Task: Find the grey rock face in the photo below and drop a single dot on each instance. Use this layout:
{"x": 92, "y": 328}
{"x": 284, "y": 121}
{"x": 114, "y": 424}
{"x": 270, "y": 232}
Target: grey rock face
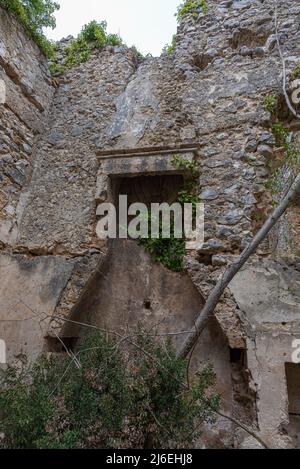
{"x": 232, "y": 217}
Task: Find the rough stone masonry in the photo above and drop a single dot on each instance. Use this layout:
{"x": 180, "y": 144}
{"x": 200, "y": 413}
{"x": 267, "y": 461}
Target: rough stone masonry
{"x": 208, "y": 94}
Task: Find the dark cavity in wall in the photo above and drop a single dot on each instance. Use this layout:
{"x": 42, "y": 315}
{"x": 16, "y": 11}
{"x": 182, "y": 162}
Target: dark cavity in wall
{"x": 292, "y": 371}
{"x": 148, "y": 189}
{"x": 129, "y": 288}
{"x": 248, "y": 38}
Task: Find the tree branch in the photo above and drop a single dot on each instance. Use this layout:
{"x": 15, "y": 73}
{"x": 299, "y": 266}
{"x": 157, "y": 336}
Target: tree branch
{"x": 288, "y": 102}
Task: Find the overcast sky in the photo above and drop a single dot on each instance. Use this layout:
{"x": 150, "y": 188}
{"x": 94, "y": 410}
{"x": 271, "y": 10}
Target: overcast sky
{"x": 147, "y": 24}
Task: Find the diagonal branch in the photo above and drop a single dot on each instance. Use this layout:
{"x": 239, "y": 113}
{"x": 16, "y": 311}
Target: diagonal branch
{"x": 214, "y": 297}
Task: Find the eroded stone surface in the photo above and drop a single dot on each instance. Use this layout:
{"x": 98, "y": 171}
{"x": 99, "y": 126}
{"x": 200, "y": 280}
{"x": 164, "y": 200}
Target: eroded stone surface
{"x": 211, "y": 93}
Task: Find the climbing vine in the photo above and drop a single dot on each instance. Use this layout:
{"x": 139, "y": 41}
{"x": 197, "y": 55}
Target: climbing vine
{"x": 34, "y": 15}
{"x": 171, "y": 251}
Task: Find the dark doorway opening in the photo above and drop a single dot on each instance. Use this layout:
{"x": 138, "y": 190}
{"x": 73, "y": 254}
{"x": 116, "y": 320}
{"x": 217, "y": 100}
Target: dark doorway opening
{"x": 292, "y": 371}
{"x": 148, "y": 189}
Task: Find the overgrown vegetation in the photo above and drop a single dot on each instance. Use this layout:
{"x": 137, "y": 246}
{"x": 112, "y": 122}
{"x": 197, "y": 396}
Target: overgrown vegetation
{"x": 287, "y": 153}
{"x": 170, "y": 252}
{"x": 169, "y": 49}
{"x": 93, "y": 36}
{"x": 106, "y": 401}
{"x": 34, "y": 15}
{"x": 296, "y": 72}
{"x": 191, "y": 8}
{"x": 270, "y": 103}
{"x": 288, "y": 156}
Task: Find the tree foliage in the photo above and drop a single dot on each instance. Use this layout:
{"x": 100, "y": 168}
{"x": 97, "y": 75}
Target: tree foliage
{"x": 110, "y": 401}
{"x": 34, "y": 15}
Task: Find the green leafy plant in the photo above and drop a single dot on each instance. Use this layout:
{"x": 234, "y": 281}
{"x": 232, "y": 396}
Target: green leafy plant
{"x": 170, "y": 252}
{"x": 56, "y": 69}
{"x": 92, "y": 36}
{"x": 181, "y": 163}
{"x": 290, "y": 156}
{"x": 281, "y": 134}
{"x": 108, "y": 400}
{"x": 270, "y": 103}
{"x": 34, "y": 15}
{"x": 191, "y": 8}
{"x": 114, "y": 40}
{"x": 169, "y": 49}
{"x": 296, "y": 72}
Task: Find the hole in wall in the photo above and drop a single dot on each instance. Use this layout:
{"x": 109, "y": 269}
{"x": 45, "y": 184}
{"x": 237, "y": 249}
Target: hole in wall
{"x": 236, "y": 355}
{"x": 292, "y": 372}
{"x": 248, "y": 38}
{"x": 201, "y": 61}
{"x": 205, "y": 259}
{"x": 148, "y": 189}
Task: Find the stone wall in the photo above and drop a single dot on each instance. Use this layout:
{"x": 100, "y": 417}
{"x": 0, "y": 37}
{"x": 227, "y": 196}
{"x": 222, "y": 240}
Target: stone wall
{"x": 210, "y": 95}
{"x": 27, "y": 91}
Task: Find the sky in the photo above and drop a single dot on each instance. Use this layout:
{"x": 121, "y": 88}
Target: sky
{"x": 147, "y": 24}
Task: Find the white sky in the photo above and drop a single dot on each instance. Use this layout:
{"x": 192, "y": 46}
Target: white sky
{"x": 147, "y": 24}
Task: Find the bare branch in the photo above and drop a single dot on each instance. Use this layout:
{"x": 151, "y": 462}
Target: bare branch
{"x": 288, "y": 102}
{"x": 214, "y": 297}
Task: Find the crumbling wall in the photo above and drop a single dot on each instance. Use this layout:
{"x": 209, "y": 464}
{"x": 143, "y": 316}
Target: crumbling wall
{"x": 268, "y": 296}
{"x": 26, "y": 94}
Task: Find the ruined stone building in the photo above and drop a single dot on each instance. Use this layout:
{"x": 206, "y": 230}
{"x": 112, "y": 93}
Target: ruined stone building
{"x": 111, "y": 126}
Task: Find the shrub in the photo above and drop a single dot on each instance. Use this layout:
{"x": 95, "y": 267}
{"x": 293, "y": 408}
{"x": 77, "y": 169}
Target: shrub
{"x": 109, "y": 401}
{"x": 191, "y": 8}
{"x": 56, "y": 69}
{"x": 114, "y": 40}
{"x": 92, "y": 36}
{"x": 169, "y": 252}
{"x": 34, "y": 15}
{"x": 94, "y": 33}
